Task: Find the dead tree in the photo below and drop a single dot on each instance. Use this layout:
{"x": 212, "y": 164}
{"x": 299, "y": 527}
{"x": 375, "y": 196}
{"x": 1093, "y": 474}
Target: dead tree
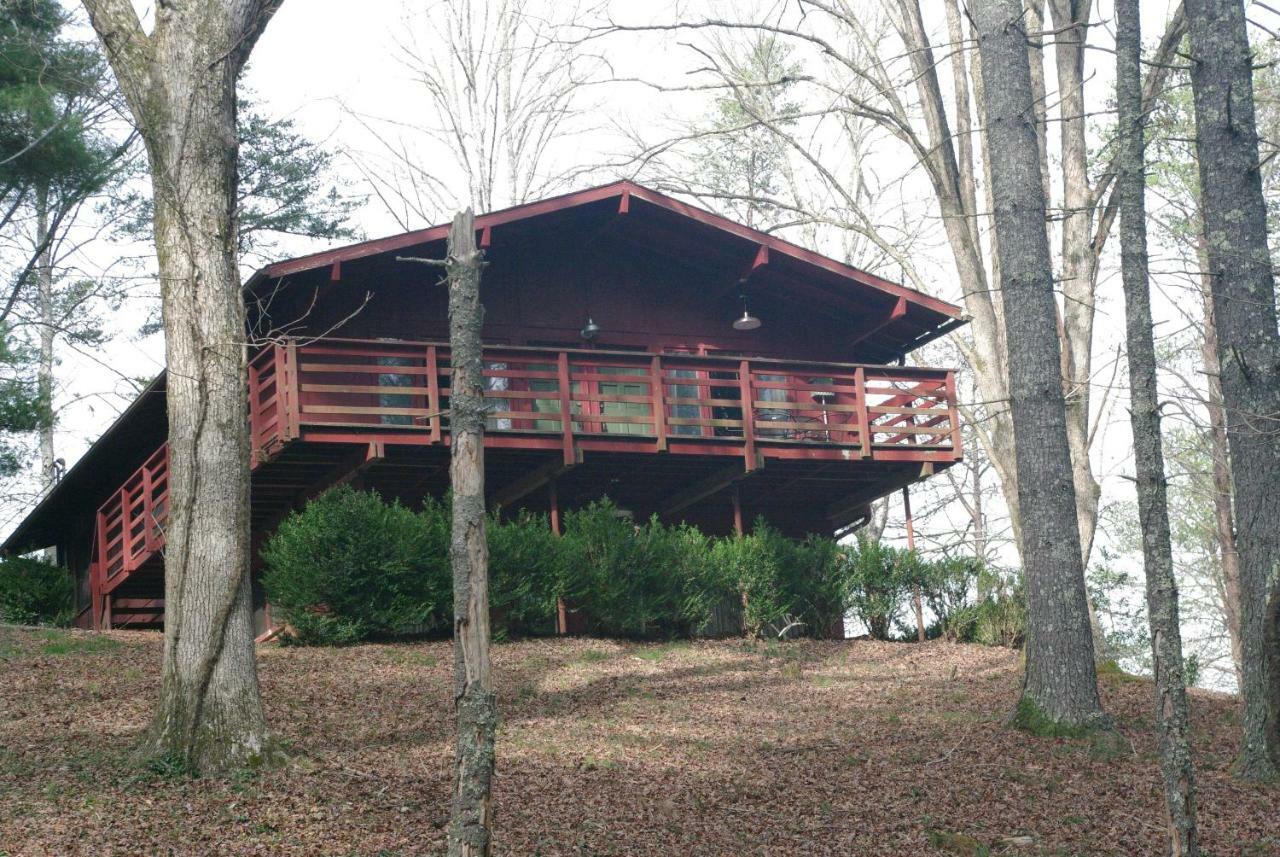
{"x": 1144, "y": 414}
{"x": 179, "y": 81}
{"x": 1244, "y": 312}
{"x": 1060, "y": 690}
{"x": 474, "y": 701}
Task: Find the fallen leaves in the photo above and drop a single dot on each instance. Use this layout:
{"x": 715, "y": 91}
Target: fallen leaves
{"x": 708, "y": 748}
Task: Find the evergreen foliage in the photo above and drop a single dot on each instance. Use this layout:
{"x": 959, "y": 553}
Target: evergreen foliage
{"x": 35, "y": 592}
{"x": 351, "y": 567}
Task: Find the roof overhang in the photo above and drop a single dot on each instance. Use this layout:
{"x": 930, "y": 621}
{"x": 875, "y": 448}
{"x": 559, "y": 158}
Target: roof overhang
{"x": 931, "y": 316}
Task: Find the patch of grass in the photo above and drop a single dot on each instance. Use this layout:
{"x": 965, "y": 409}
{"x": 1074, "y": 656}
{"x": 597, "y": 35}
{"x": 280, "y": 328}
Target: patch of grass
{"x": 1112, "y": 671}
{"x": 1030, "y": 718}
{"x": 657, "y": 653}
{"x": 591, "y": 763}
{"x": 592, "y": 656}
{"x": 63, "y": 643}
{"x": 173, "y": 768}
{"x": 957, "y": 843}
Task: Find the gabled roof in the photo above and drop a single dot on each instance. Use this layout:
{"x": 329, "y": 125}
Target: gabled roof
{"x": 906, "y": 319}
{"x": 932, "y": 317}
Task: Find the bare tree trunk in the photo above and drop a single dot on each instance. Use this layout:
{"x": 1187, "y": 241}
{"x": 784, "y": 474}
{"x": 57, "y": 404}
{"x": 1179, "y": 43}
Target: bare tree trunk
{"x": 179, "y": 82}
{"x": 1144, "y": 412}
{"x": 474, "y": 700}
{"x": 976, "y": 505}
{"x": 1035, "y": 58}
{"x": 44, "y": 372}
{"x": 917, "y": 600}
{"x": 1060, "y": 690}
{"x": 1223, "y": 516}
{"x": 1079, "y": 261}
{"x": 1244, "y": 309}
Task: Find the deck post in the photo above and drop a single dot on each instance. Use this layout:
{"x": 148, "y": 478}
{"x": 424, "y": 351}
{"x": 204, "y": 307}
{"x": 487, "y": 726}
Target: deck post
{"x": 434, "y": 410}
{"x": 566, "y": 412}
{"x": 659, "y": 406}
{"x": 97, "y": 569}
{"x": 864, "y": 419}
{"x": 291, "y": 403}
{"x": 148, "y": 540}
{"x": 748, "y": 415}
{"x": 126, "y": 531}
{"x": 562, "y": 609}
{"x": 911, "y": 546}
{"x": 736, "y": 496}
{"x": 953, "y": 415}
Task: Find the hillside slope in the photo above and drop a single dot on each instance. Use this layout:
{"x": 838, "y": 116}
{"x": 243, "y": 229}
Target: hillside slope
{"x": 710, "y": 748}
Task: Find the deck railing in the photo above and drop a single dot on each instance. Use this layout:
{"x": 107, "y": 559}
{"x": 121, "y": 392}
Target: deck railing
{"x": 130, "y": 525}
{"x": 606, "y": 400}
{"x": 565, "y": 399}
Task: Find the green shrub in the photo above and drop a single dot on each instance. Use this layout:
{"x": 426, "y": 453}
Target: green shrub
{"x": 350, "y": 566}
{"x": 523, "y": 574}
{"x": 878, "y": 579}
{"x": 948, "y": 588}
{"x": 704, "y": 593}
{"x": 789, "y": 587}
{"x": 617, "y": 573}
{"x": 35, "y": 592}
{"x": 999, "y": 618}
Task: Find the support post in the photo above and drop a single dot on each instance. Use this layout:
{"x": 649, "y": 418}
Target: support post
{"x": 97, "y": 572}
{"x": 658, "y": 402}
{"x": 911, "y": 546}
{"x": 562, "y": 610}
{"x": 435, "y": 416}
{"x": 748, "y": 415}
{"x": 953, "y": 416}
{"x": 864, "y": 420}
{"x": 736, "y": 494}
{"x": 292, "y": 400}
{"x": 566, "y": 410}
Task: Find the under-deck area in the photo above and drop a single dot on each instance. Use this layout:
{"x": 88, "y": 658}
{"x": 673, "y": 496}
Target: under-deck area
{"x": 712, "y": 440}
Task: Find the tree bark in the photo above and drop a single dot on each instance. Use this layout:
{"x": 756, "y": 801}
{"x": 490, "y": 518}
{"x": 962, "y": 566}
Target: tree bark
{"x": 1224, "y": 521}
{"x": 179, "y": 82}
{"x": 474, "y": 701}
{"x": 1060, "y": 690}
{"x": 44, "y": 372}
{"x": 1144, "y": 413}
{"x": 1079, "y": 261}
{"x": 1244, "y": 309}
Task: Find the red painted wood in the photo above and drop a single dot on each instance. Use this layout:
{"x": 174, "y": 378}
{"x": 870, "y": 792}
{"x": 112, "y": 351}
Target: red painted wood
{"x": 433, "y": 394}
{"x": 628, "y": 193}
{"x": 566, "y": 410}
{"x": 658, "y": 405}
{"x": 96, "y": 567}
{"x": 748, "y": 416}
{"x": 957, "y": 442}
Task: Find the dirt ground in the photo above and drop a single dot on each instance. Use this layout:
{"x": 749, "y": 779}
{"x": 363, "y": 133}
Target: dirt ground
{"x": 710, "y": 748}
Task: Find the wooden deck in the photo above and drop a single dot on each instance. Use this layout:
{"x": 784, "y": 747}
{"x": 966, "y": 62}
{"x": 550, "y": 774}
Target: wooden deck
{"x": 320, "y": 411}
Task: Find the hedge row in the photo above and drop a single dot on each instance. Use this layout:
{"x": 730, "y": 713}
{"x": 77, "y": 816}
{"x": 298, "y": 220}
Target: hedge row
{"x": 35, "y": 592}
{"x": 351, "y": 567}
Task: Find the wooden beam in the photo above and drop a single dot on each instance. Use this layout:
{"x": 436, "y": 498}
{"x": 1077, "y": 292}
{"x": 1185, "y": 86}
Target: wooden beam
{"x": 530, "y": 482}
{"x": 758, "y": 261}
{"x": 899, "y": 311}
{"x": 704, "y": 488}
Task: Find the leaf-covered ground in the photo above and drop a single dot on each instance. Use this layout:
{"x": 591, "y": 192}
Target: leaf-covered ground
{"x": 709, "y": 748}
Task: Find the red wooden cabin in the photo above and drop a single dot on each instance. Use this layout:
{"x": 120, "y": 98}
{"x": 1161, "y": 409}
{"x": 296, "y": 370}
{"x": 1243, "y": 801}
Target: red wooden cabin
{"x": 624, "y": 359}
